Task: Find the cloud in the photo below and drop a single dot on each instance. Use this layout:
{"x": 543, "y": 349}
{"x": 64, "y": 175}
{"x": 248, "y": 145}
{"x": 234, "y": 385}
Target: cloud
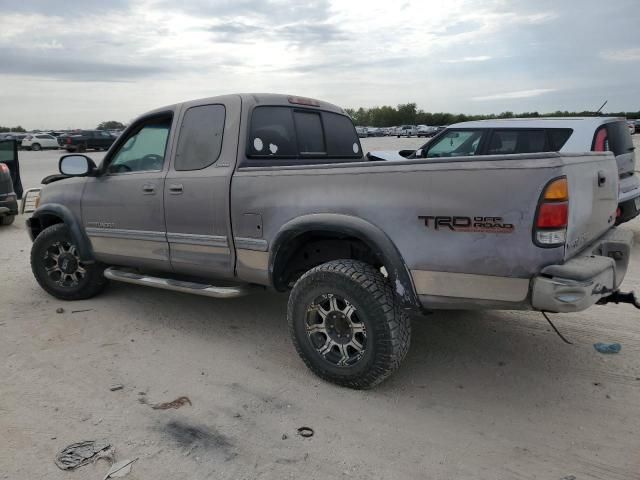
{"x": 518, "y": 94}
{"x": 30, "y": 63}
{"x": 623, "y": 55}
{"x": 479, "y": 58}
{"x": 63, "y": 8}
{"x": 299, "y": 34}
{"x": 274, "y": 11}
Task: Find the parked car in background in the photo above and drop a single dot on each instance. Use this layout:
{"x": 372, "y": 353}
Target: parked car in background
{"x": 374, "y": 132}
{"x": 18, "y": 137}
{"x": 406, "y": 131}
{"x": 637, "y": 125}
{"x": 632, "y": 126}
{"x": 362, "y": 132}
{"x": 86, "y": 140}
{"x": 426, "y": 131}
{"x": 10, "y": 185}
{"x": 39, "y": 141}
{"x": 388, "y": 131}
{"x": 536, "y": 135}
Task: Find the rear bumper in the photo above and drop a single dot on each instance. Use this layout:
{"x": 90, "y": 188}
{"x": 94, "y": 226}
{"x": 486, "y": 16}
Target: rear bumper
{"x": 580, "y": 282}
{"x": 629, "y": 199}
{"x": 8, "y": 205}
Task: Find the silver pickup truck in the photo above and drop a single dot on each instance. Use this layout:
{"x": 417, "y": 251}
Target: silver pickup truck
{"x": 228, "y": 194}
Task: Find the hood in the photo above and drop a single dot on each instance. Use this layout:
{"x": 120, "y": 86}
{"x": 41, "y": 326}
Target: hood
{"x": 386, "y": 155}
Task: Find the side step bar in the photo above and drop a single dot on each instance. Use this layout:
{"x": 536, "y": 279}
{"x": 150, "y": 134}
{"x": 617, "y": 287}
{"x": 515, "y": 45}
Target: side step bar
{"x": 113, "y": 273}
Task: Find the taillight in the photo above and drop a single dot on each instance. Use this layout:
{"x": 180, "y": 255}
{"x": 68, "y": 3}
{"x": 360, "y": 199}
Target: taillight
{"x": 68, "y": 140}
{"x": 552, "y": 216}
{"x": 601, "y": 141}
{"x": 304, "y": 101}
{"x": 4, "y": 168}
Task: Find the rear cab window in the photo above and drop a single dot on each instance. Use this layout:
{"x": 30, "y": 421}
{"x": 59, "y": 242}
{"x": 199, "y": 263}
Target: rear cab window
{"x": 280, "y": 135}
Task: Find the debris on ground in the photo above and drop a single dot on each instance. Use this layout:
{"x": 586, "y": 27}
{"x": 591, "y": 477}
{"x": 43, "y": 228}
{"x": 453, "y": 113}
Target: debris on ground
{"x": 81, "y": 311}
{"x": 607, "y": 347}
{"x": 177, "y": 403}
{"x": 59, "y": 310}
{"x": 120, "y": 469}
{"x": 284, "y": 436}
{"x": 117, "y": 386}
{"x": 82, "y": 453}
{"x": 305, "y": 432}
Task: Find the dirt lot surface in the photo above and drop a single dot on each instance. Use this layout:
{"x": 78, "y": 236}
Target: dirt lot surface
{"x": 489, "y": 395}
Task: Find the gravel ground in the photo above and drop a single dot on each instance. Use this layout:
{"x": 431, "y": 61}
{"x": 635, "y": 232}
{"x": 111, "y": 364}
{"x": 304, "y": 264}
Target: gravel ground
{"x": 481, "y": 395}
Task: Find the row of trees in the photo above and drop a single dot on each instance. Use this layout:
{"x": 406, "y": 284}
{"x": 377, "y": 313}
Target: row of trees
{"x": 18, "y": 129}
{"x": 409, "y": 114}
{"x": 109, "y": 125}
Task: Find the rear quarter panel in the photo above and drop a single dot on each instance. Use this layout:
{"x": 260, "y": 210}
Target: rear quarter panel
{"x": 395, "y": 196}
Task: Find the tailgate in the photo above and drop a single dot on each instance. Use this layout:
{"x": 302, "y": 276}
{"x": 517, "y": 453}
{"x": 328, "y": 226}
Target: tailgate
{"x": 593, "y": 199}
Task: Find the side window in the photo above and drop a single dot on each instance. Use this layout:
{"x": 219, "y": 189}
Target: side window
{"x": 558, "y": 137}
{"x": 456, "y": 143}
{"x": 43, "y": 137}
{"x": 272, "y": 133}
{"x": 200, "y": 140}
{"x": 506, "y": 142}
{"x": 310, "y": 134}
{"x": 144, "y": 148}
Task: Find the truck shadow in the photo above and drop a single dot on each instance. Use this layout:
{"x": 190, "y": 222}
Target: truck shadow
{"x": 510, "y": 357}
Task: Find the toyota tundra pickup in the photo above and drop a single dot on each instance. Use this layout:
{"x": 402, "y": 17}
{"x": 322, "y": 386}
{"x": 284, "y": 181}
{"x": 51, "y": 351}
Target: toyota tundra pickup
{"x": 229, "y": 194}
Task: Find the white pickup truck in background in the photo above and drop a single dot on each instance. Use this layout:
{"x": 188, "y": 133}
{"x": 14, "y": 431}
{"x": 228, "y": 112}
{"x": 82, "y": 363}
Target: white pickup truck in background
{"x": 537, "y": 135}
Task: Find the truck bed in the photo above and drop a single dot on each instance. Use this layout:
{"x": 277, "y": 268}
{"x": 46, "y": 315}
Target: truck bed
{"x": 493, "y": 261}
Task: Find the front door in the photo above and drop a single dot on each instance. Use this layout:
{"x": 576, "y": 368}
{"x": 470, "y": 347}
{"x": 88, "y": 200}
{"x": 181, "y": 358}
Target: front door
{"x": 196, "y": 190}
{"x": 122, "y": 207}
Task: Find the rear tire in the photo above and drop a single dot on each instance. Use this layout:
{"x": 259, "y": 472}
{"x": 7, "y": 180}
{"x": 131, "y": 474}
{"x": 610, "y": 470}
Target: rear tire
{"x": 57, "y": 267}
{"x": 7, "y": 220}
{"x": 347, "y": 325}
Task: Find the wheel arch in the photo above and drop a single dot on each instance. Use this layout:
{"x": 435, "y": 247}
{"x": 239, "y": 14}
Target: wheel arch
{"x": 327, "y": 225}
{"x": 53, "y": 213}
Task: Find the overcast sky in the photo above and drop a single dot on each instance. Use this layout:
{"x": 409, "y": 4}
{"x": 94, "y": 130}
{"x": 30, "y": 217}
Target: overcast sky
{"x": 75, "y": 63}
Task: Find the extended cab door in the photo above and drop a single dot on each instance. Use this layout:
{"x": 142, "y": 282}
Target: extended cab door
{"x": 196, "y": 190}
{"x": 122, "y": 207}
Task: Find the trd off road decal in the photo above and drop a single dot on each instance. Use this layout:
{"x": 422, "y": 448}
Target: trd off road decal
{"x": 467, "y": 224}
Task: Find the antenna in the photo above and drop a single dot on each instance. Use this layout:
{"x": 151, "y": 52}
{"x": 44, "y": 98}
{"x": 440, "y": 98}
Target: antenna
{"x": 599, "y": 111}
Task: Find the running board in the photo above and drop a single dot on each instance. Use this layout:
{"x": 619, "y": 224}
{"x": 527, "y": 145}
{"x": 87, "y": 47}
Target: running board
{"x": 177, "y": 285}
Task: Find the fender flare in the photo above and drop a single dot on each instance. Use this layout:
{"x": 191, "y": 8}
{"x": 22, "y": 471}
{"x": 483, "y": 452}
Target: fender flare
{"x": 73, "y": 224}
{"x": 368, "y": 233}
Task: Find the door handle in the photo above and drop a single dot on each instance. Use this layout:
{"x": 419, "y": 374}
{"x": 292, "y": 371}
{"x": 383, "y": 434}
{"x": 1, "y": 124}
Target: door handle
{"x": 175, "y": 189}
{"x": 602, "y": 178}
{"x": 148, "y": 189}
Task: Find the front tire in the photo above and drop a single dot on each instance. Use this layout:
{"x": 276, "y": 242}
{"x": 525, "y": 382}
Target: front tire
{"x": 57, "y": 267}
{"x": 347, "y": 325}
{"x": 7, "y": 220}
{"x": 36, "y": 147}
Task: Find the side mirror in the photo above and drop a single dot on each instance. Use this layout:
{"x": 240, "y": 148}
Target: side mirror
{"x": 405, "y": 153}
{"x": 76, "y": 165}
